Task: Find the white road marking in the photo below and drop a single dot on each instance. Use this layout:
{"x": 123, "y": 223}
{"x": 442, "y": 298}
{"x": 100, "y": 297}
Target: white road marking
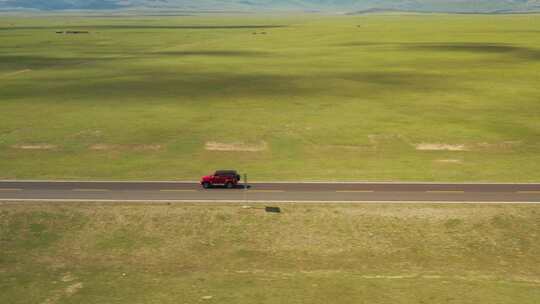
{"x": 239, "y": 201}
{"x": 528, "y": 192}
{"x": 355, "y": 191}
{"x": 96, "y": 181}
{"x": 177, "y": 190}
{"x": 90, "y": 190}
{"x": 266, "y": 191}
{"x": 10, "y": 189}
{"x": 445, "y": 191}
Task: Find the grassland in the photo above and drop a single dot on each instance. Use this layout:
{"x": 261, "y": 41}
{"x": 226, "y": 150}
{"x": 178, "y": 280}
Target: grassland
{"x": 100, "y": 253}
{"x": 328, "y": 98}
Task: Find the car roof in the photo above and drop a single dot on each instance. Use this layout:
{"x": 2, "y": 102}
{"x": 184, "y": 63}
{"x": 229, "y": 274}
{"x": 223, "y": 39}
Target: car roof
{"x": 226, "y": 172}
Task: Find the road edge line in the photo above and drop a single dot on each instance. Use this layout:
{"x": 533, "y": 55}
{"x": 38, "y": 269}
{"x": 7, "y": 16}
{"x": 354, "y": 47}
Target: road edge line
{"x": 7, "y": 200}
{"x": 270, "y": 182}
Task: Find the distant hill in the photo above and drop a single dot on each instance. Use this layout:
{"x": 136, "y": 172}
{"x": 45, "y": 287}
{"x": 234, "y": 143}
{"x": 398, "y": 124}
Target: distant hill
{"x": 361, "y": 6}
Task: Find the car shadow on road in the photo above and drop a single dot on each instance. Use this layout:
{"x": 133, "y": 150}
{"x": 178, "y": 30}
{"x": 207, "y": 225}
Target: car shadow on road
{"x": 237, "y": 187}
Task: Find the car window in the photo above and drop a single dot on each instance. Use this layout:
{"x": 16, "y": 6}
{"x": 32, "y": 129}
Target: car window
{"x": 225, "y": 173}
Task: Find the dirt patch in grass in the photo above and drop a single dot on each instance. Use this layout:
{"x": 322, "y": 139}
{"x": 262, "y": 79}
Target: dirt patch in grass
{"x": 351, "y": 148}
{"x": 68, "y": 277}
{"x": 68, "y": 291}
{"x": 113, "y": 147}
{"x": 239, "y": 147}
{"x": 441, "y": 147}
{"x": 449, "y": 161}
{"x": 500, "y": 146}
{"x": 73, "y": 288}
{"x": 35, "y": 147}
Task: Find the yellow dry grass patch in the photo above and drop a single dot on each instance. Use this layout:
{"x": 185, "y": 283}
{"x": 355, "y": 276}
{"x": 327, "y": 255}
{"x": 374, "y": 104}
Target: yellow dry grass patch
{"x": 238, "y": 146}
{"x": 196, "y": 247}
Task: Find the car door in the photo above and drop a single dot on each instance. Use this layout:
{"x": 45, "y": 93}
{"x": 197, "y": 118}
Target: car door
{"x": 219, "y": 178}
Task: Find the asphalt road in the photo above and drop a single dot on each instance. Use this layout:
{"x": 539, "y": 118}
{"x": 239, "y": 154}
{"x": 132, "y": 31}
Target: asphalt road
{"x": 268, "y": 192}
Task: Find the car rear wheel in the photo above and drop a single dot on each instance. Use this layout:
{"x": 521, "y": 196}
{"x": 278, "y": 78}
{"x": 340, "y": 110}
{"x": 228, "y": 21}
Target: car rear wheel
{"x": 229, "y": 185}
{"x": 206, "y": 185}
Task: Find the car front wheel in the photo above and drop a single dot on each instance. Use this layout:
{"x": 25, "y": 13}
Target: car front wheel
{"x": 206, "y": 185}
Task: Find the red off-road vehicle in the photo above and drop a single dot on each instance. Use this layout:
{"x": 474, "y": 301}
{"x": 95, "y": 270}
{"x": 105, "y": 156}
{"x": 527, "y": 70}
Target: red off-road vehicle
{"x": 227, "y": 178}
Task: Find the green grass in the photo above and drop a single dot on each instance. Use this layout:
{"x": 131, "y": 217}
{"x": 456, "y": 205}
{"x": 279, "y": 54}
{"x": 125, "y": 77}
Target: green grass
{"x": 334, "y": 98}
{"x": 336, "y": 253}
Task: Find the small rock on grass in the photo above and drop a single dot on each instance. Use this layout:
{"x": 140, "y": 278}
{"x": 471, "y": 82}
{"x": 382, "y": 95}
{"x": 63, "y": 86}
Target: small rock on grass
{"x": 207, "y": 297}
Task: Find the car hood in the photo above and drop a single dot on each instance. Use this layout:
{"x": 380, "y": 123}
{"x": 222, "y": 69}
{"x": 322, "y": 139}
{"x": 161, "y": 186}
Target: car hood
{"x": 206, "y": 178}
